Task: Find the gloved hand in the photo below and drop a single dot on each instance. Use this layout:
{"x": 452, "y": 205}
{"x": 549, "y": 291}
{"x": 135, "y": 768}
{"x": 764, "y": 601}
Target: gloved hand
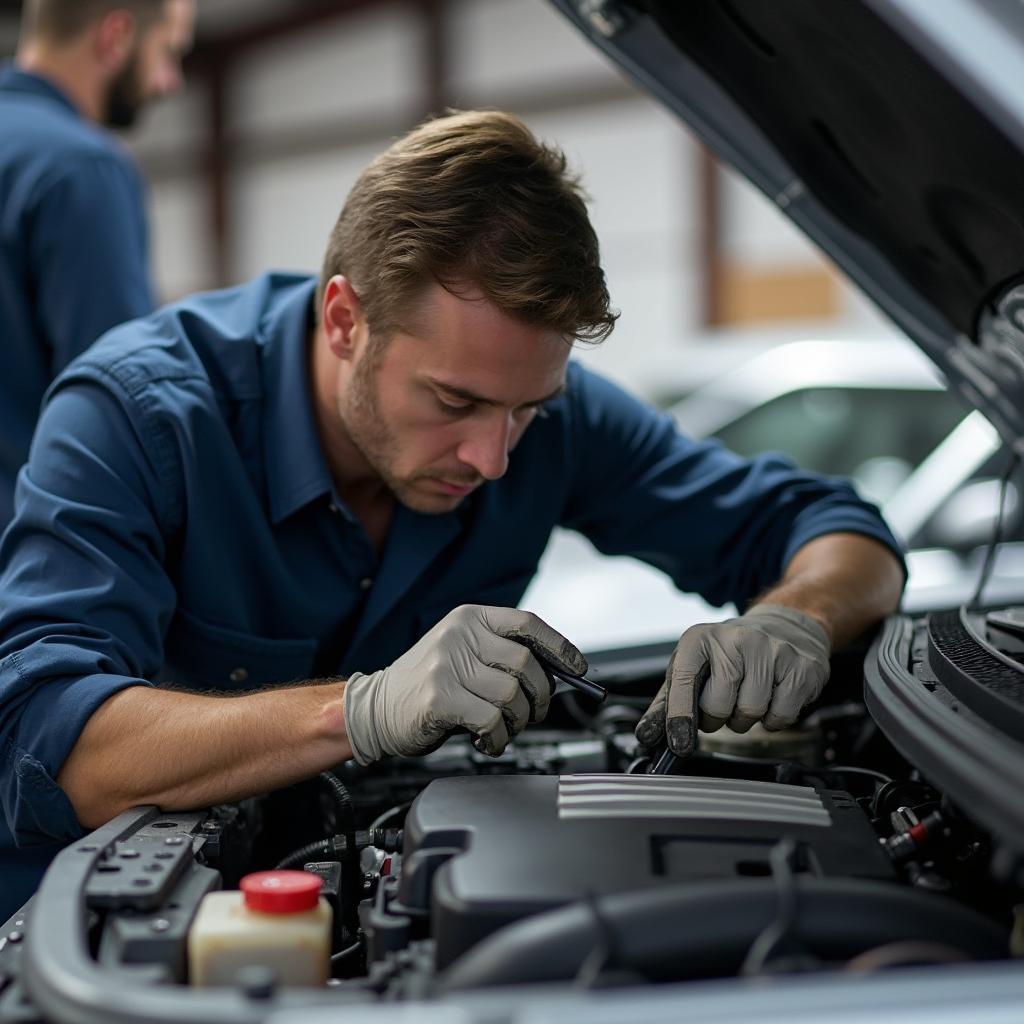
{"x": 763, "y": 666}
{"x": 474, "y": 670}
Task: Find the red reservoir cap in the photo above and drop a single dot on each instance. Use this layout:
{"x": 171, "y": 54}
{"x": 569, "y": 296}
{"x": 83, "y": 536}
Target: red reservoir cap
{"x": 281, "y": 892}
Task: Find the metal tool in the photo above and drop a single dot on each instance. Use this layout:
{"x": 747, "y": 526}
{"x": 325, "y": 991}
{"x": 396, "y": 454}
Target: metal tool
{"x": 665, "y": 763}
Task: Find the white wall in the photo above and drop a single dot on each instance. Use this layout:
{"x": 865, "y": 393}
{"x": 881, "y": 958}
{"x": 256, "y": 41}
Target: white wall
{"x": 364, "y": 65}
{"x": 284, "y": 210}
{"x": 351, "y": 86}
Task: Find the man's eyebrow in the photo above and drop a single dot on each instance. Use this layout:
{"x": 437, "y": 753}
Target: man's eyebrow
{"x": 468, "y": 396}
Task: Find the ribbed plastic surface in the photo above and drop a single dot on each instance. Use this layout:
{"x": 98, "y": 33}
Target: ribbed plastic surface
{"x": 666, "y": 796}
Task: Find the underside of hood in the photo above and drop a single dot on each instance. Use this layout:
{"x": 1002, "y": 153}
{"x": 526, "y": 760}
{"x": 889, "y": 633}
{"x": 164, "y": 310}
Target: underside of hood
{"x": 890, "y": 131}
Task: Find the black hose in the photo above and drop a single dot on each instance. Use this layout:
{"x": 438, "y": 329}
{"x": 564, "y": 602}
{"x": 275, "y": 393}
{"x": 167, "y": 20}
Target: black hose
{"x": 343, "y": 800}
{"x": 323, "y": 849}
{"x": 680, "y": 932}
{"x": 336, "y": 847}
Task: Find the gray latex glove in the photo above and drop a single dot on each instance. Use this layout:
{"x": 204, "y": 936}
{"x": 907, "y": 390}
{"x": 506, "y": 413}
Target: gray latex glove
{"x": 763, "y": 666}
{"x": 474, "y": 670}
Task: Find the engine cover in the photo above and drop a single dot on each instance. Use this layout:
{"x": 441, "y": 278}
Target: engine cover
{"x": 481, "y": 852}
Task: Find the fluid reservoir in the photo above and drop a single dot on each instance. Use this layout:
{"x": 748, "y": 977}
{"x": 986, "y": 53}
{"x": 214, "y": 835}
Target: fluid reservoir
{"x": 278, "y": 919}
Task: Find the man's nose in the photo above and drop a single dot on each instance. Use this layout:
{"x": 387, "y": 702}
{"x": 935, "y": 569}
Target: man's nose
{"x": 486, "y": 449}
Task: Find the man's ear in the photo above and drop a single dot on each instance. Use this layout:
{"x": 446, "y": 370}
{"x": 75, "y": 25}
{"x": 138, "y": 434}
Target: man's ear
{"x": 114, "y": 40}
{"x": 342, "y": 318}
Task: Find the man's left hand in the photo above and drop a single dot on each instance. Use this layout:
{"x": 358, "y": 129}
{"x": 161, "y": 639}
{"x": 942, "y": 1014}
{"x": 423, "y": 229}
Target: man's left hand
{"x": 764, "y": 666}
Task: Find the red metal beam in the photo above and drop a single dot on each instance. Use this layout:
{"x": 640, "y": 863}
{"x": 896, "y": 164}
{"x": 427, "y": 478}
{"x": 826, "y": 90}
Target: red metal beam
{"x": 710, "y": 257}
{"x": 229, "y": 45}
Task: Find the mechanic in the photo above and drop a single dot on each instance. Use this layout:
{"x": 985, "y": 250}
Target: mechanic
{"x": 304, "y": 482}
{"x": 73, "y": 260}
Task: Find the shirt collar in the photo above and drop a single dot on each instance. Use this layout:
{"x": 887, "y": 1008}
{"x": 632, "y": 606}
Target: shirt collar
{"x": 294, "y": 463}
{"x": 13, "y": 79}
{"x": 296, "y": 470}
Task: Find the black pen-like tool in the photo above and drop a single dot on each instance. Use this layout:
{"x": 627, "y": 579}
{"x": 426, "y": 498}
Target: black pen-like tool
{"x": 580, "y": 683}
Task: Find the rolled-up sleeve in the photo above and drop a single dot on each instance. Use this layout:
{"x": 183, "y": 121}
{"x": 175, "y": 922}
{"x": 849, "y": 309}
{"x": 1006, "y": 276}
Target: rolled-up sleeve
{"x": 719, "y": 525}
{"x": 85, "y": 596}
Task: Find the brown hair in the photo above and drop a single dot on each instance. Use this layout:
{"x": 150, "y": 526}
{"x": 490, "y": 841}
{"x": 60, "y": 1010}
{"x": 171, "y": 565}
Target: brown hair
{"x": 61, "y": 21}
{"x": 472, "y": 201}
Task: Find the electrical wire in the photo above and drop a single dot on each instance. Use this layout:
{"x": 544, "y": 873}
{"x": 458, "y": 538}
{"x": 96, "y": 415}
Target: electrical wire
{"x": 779, "y": 932}
{"x": 602, "y": 954}
{"x": 997, "y": 535}
{"x": 378, "y": 822}
{"x": 346, "y": 952}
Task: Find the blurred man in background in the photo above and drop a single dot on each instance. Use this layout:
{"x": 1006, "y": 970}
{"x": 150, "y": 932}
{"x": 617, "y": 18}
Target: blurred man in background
{"x": 73, "y": 250}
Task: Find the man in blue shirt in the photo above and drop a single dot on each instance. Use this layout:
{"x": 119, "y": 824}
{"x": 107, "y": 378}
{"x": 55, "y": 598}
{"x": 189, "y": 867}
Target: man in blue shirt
{"x": 315, "y": 503}
{"x": 73, "y": 260}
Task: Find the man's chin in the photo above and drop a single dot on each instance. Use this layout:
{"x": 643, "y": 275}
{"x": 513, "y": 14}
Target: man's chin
{"x": 424, "y": 496}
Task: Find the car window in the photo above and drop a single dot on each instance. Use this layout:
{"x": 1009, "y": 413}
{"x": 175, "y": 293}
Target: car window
{"x": 968, "y": 518}
{"x": 874, "y": 435}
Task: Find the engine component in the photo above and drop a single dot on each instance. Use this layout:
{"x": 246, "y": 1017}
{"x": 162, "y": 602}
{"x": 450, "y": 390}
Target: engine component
{"x": 799, "y": 743}
{"x": 706, "y": 931}
{"x": 279, "y": 920}
{"x": 909, "y": 843}
{"x": 480, "y": 853}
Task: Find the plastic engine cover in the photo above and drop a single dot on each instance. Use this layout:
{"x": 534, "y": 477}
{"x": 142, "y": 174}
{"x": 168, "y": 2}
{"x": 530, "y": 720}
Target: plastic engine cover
{"x": 481, "y": 852}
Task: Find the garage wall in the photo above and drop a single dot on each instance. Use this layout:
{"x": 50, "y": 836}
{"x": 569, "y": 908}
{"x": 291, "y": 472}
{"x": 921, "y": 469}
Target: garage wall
{"x": 304, "y": 114}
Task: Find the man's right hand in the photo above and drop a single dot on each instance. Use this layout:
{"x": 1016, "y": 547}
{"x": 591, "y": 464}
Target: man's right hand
{"x": 474, "y": 670}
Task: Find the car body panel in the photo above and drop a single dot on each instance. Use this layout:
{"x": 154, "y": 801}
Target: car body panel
{"x": 919, "y": 202}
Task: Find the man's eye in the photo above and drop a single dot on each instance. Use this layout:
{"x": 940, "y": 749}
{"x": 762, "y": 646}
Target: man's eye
{"x": 454, "y": 408}
{"x": 540, "y": 410}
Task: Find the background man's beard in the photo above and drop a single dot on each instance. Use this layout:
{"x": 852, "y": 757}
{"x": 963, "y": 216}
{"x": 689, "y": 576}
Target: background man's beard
{"x": 124, "y": 98}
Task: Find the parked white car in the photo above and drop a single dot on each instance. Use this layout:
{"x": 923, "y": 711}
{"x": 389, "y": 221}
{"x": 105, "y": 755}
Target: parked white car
{"x": 873, "y": 410}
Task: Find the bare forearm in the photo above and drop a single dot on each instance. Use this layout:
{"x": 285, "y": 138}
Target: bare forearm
{"x": 180, "y": 750}
{"x": 844, "y": 580}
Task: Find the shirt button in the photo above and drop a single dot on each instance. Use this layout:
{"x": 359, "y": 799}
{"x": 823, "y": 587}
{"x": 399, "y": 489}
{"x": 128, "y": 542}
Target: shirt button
{"x": 239, "y": 675}
{"x": 333, "y": 509}
{"x": 366, "y": 582}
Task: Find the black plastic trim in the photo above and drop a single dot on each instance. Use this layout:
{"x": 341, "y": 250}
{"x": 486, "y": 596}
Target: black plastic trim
{"x": 650, "y": 58}
{"x": 987, "y": 682}
{"x": 67, "y": 985}
{"x": 980, "y": 769}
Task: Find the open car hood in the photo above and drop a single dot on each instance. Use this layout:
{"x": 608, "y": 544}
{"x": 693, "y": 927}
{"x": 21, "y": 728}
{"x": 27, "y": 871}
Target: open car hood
{"x": 890, "y": 131}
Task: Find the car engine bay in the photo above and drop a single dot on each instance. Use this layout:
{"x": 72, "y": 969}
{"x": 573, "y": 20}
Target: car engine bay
{"x": 565, "y": 861}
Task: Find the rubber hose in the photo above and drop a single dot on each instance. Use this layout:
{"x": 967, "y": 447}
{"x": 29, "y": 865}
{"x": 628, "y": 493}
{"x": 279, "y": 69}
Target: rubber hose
{"x": 680, "y": 932}
{"x": 324, "y": 847}
{"x": 344, "y": 801}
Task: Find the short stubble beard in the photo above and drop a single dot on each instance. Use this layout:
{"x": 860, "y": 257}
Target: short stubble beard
{"x": 369, "y": 433}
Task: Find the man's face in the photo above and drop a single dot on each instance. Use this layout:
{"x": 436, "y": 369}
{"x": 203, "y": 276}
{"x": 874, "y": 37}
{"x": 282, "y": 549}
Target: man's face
{"x": 436, "y": 409}
{"x": 154, "y": 67}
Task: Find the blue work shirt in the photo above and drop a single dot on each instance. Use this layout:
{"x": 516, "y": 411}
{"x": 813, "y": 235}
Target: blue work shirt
{"x": 177, "y": 521}
{"x": 72, "y": 250}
